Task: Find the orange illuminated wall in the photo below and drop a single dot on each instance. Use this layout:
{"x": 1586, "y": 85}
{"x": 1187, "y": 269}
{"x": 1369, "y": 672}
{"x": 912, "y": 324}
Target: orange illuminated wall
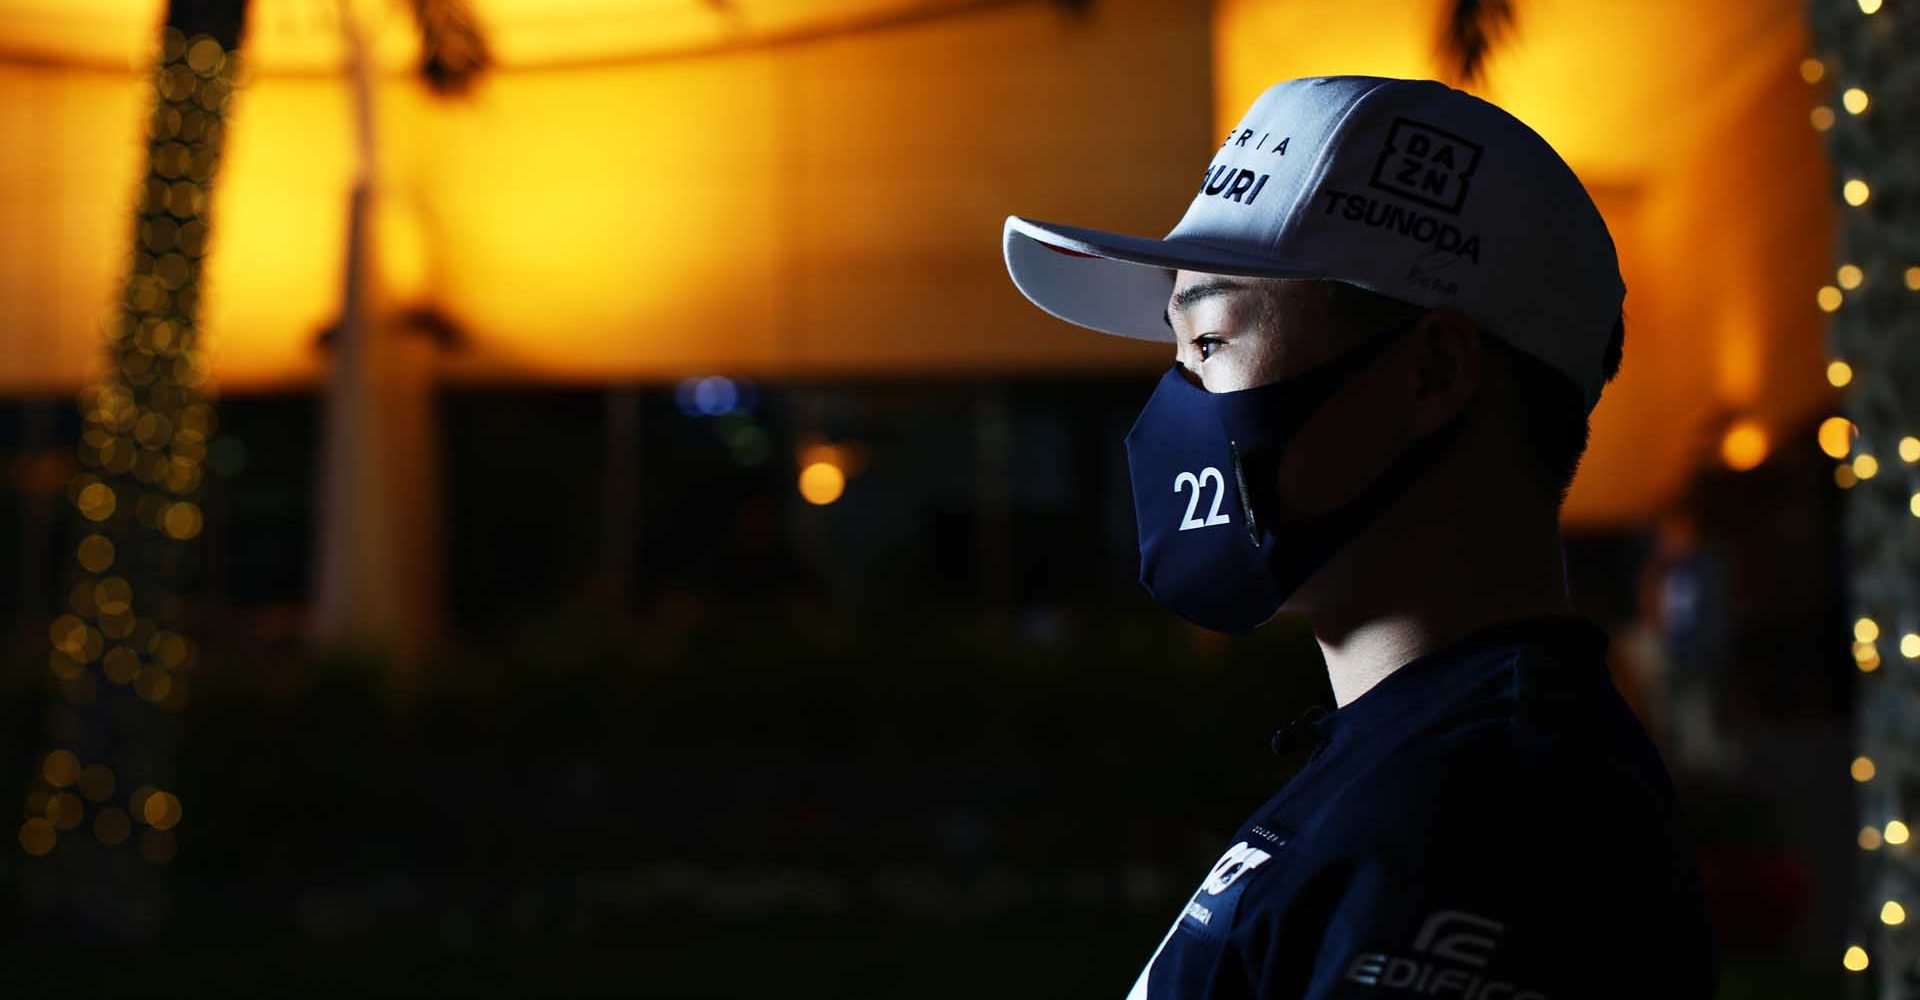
{"x": 605, "y": 208}
{"x": 1688, "y": 122}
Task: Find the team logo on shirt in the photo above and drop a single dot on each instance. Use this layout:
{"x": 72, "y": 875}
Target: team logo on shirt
{"x": 1460, "y": 936}
{"x": 1459, "y": 939}
{"x": 1240, "y": 859}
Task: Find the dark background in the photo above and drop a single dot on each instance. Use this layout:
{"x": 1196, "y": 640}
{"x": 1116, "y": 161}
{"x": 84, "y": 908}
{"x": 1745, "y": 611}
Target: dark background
{"x": 693, "y": 736}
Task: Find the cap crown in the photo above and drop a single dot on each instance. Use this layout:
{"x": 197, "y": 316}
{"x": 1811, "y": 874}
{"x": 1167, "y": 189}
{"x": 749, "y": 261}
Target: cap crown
{"x": 1425, "y": 193}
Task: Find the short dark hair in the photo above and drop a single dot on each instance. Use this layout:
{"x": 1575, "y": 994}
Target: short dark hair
{"x": 1549, "y": 408}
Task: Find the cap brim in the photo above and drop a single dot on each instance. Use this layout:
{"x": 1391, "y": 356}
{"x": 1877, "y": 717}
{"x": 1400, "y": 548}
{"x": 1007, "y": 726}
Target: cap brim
{"x": 1115, "y": 283}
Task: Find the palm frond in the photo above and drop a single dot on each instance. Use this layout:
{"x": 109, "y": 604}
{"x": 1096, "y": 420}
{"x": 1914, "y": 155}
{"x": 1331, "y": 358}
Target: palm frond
{"x": 1469, "y": 32}
{"x": 453, "y": 46}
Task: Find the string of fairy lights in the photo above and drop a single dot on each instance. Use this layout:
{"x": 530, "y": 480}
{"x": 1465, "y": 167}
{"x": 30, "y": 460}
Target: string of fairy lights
{"x": 1875, "y": 443}
{"x": 120, "y": 659}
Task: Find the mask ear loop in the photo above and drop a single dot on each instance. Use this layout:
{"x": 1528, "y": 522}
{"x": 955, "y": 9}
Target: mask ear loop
{"x": 1352, "y": 361}
{"x": 1246, "y": 500}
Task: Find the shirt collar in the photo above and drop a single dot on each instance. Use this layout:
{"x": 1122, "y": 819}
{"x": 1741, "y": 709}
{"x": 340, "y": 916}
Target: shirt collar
{"x": 1425, "y": 679}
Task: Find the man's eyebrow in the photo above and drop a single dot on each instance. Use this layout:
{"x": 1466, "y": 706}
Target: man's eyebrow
{"x": 1193, "y": 293}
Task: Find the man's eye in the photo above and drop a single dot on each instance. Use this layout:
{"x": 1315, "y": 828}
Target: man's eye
{"x": 1203, "y": 343}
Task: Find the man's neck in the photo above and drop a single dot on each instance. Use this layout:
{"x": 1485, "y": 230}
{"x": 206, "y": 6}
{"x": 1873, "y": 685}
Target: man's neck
{"x": 1418, "y": 612}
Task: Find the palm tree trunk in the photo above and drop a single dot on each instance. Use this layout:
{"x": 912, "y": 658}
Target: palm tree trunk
{"x": 376, "y": 578}
{"x": 102, "y": 805}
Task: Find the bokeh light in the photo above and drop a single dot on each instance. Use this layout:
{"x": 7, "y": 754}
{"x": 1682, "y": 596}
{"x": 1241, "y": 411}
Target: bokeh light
{"x": 822, "y": 483}
{"x": 1836, "y": 437}
{"x": 61, "y": 768}
{"x": 37, "y": 836}
{"x": 1744, "y": 446}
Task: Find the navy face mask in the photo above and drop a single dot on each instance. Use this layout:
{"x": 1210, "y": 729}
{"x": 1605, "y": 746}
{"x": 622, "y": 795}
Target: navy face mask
{"x": 1203, "y": 467}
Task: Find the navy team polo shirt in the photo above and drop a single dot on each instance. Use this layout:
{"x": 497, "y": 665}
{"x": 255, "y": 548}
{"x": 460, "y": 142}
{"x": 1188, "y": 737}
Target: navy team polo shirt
{"x": 1488, "y": 822}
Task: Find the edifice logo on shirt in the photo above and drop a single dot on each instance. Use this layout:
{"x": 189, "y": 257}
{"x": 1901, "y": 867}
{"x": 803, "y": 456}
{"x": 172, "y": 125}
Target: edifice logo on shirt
{"x": 1456, "y": 938}
{"x": 1460, "y": 936}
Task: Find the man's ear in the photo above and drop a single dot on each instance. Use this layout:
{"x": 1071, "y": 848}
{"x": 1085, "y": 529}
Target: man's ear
{"x": 1448, "y": 365}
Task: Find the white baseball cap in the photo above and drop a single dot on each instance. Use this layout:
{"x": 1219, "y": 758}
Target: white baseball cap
{"x": 1409, "y": 188}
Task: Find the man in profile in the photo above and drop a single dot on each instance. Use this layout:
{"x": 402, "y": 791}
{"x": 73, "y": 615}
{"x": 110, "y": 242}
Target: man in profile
{"x": 1393, "y": 307}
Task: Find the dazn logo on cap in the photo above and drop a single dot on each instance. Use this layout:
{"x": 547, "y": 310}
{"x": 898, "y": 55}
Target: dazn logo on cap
{"x": 1426, "y": 164}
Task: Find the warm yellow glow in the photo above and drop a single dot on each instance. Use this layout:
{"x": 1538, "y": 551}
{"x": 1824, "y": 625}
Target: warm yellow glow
{"x": 117, "y": 625}
{"x": 182, "y": 520}
{"x": 1913, "y": 505}
{"x": 1867, "y": 656}
{"x": 113, "y": 596}
{"x": 1836, "y": 436}
{"x": 153, "y": 685}
{"x": 1910, "y": 646}
{"x": 567, "y": 248}
{"x": 1863, "y": 771}
{"x": 65, "y": 811}
{"x": 1851, "y": 276}
{"x": 571, "y": 250}
{"x": 404, "y": 249}
{"x": 1744, "y": 447}
{"x": 1812, "y": 70}
{"x": 1821, "y": 117}
{"x": 1913, "y": 279}
{"x": 96, "y": 553}
{"x": 1897, "y": 833}
{"x": 120, "y": 664}
{"x": 1910, "y": 449}
{"x": 1854, "y": 100}
{"x": 1839, "y": 373}
{"x": 831, "y": 454}
{"x": 1869, "y": 6}
{"x": 169, "y": 649}
{"x": 1829, "y": 298}
{"x": 161, "y": 810}
{"x": 1869, "y": 839}
{"x": 1866, "y": 630}
{"x": 1893, "y": 913}
{"x": 1866, "y": 466}
{"x": 96, "y": 501}
{"x": 822, "y": 483}
{"x": 1856, "y": 958}
{"x": 61, "y": 768}
{"x": 37, "y": 836}
{"x": 1856, "y": 192}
